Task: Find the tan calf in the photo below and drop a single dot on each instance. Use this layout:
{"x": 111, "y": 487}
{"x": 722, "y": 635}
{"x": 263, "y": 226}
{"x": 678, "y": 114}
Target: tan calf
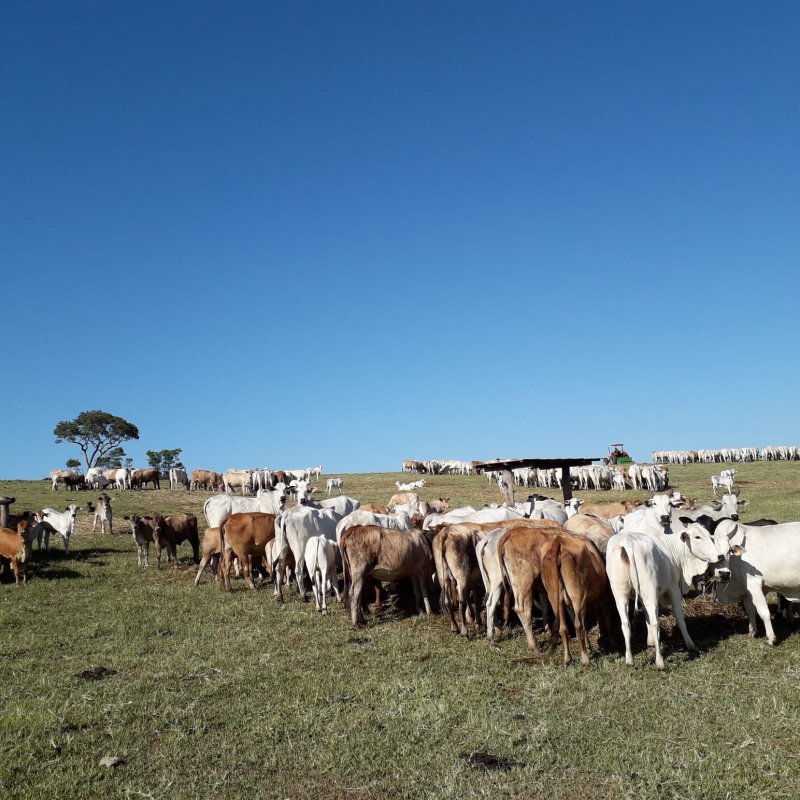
{"x": 385, "y": 555}
{"x": 16, "y": 547}
{"x": 458, "y": 572}
{"x": 244, "y": 535}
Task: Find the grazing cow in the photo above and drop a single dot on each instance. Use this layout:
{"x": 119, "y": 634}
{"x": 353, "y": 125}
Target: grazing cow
{"x": 60, "y": 475}
{"x": 385, "y": 555}
{"x": 16, "y": 547}
{"x": 333, "y": 483}
{"x": 659, "y": 566}
{"x": 320, "y": 560}
{"x": 60, "y": 522}
{"x": 458, "y": 572}
{"x": 519, "y": 553}
{"x": 96, "y": 479}
{"x": 178, "y": 477}
{"x": 123, "y": 478}
{"x": 142, "y": 528}
{"x": 244, "y": 535}
{"x": 294, "y": 528}
{"x": 574, "y": 576}
{"x": 767, "y": 558}
{"x": 266, "y": 501}
{"x": 209, "y": 553}
{"x": 141, "y": 477}
{"x": 103, "y": 513}
{"x": 206, "y": 479}
{"x": 171, "y": 531}
{"x": 237, "y": 478}
{"x": 401, "y": 498}
{"x": 491, "y": 571}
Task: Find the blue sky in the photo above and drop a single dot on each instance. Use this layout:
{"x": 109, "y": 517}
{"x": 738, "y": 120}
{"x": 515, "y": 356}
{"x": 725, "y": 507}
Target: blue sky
{"x": 348, "y": 233}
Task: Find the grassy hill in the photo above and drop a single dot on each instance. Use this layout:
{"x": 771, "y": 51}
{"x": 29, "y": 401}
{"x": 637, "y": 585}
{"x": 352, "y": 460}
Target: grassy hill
{"x": 231, "y": 695}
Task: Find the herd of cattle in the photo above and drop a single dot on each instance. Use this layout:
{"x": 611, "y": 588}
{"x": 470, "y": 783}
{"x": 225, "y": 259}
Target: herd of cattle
{"x": 576, "y": 562}
{"x": 771, "y": 453}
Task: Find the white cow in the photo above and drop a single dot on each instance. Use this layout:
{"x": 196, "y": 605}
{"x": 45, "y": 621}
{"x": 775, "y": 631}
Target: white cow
{"x": 410, "y": 487}
{"x": 766, "y": 559}
{"x": 342, "y": 504}
{"x": 320, "y": 558}
{"x": 103, "y": 513}
{"x": 123, "y": 478}
{"x": 301, "y": 489}
{"x": 60, "y": 522}
{"x": 315, "y": 471}
{"x": 492, "y": 574}
{"x": 178, "y": 477}
{"x": 268, "y": 501}
{"x": 293, "y": 529}
{"x": 95, "y": 479}
{"x": 333, "y": 483}
{"x": 234, "y": 478}
{"x": 655, "y": 567}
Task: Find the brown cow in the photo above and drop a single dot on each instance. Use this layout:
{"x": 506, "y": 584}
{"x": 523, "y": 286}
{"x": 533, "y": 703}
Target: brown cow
{"x": 401, "y": 498}
{"x": 206, "y": 479}
{"x": 375, "y": 508}
{"x": 385, "y": 555}
{"x": 440, "y": 506}
{"x": 609, "y": 510}
{"x": 171, "y": 531}
{"x": 141, "y": 477}
{"x": 519, "y": 553}
{"x": 142, "y": 528}
{"x": 16, "y": 547}
{"x": 575, "y": 577}
{"x": 594, "y": 528}
{"x": 209, "y": 553}
{"x": 244, "y": 535}
{"x": 458, "y": 572}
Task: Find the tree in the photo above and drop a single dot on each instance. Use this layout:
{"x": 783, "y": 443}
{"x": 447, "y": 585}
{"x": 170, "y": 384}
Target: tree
{"x": 164, "y": 460}
{"x": 113, "y": 459}
{"x": 96, "y": 433}
{"x": 73, "y": 463}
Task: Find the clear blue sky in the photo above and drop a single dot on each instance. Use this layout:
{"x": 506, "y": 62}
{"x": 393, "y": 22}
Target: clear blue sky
{"x": 283, "y": 234}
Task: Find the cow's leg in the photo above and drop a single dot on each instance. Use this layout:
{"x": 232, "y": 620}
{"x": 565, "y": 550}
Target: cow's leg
{"x": 523, "y": 606}
{"x": 247, "y": 571}
{"x": 621, "y": 600}
{"x": 751, "y": 616}
{"x": 225, "y": 570}
{"x": 654, "y": 632}
{"x": 423, "y": 588}
{"x": 492, "y": 600}
{"x": 462, "y": 608}
{"x": 201, "y": 569}
{"x": 446, "y": 603}
{"x": 677, "y": 609}
{"x": 300, "y": 575}
{"x": 356, "y": 588}
{"x": 762, "y": 609}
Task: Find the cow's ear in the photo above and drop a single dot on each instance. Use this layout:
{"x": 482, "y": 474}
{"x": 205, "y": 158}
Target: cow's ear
{"x": 648, "y": 503}
{"x": 743, "y": 503}
{"x": 687, "y": 520}
{"x": 737, "y": 549}
{"x": 685, "y": 536}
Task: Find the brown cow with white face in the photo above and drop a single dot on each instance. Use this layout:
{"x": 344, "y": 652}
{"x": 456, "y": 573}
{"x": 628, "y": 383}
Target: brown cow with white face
{"x": 141, "y": 477}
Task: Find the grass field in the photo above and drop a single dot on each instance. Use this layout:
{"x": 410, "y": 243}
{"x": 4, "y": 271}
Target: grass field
{"x": 231, "y": 695}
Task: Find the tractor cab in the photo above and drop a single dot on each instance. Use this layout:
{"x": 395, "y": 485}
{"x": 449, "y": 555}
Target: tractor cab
{"x": 617, "y": 454}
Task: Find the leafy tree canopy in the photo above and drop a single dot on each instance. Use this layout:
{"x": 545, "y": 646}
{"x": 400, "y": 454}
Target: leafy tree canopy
{"x": 113, "y": 459}
{"x": 164, "y": 460}
{"x": 96, "y": 433}
{"x": 73, "y": 463}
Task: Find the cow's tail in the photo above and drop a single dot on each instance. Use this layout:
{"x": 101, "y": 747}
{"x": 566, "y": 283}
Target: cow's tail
{"x": 628, "y": 556}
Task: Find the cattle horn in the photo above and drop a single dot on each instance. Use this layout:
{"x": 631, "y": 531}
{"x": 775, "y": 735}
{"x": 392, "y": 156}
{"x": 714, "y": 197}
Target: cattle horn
{"x": 736, "y": 490}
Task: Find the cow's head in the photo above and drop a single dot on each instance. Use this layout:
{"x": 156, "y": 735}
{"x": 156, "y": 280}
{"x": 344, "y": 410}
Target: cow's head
{"x": 445, "y": 501}
{"x": 662, "y": 507}
{"x": 706, "y": 542}
{"x": 730, "y": 505}
{"x": 158, "y": 529}
{"x": 572, "y": 506}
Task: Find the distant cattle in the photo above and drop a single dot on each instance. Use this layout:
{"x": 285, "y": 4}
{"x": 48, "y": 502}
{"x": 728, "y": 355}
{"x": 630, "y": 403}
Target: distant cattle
{"x": 206, "y": 479}
{"x": 141, "y": 477}
{"x": 178, "y": 477}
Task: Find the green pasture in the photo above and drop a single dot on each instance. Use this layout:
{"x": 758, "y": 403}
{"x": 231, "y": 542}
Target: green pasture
{"x": 213, "y": 695}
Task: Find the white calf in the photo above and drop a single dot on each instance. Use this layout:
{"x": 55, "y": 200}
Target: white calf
{"x": 334, "y": 483}
{"x": 320, "y": 558}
